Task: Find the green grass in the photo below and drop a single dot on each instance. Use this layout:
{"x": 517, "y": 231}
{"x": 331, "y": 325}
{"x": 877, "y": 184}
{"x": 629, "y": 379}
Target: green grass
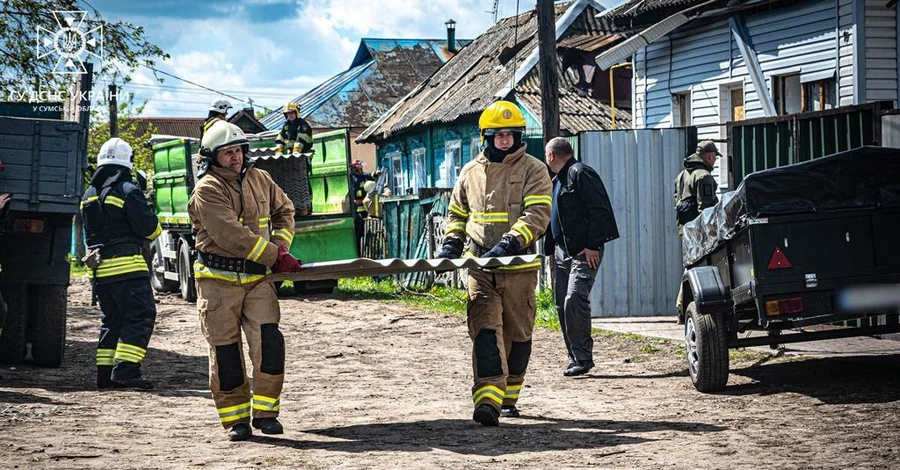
{"x": 77, "y": 269}
{"x": 438, "y": 299}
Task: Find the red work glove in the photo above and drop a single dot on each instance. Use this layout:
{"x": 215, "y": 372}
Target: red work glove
{"x": 286, "y": 263}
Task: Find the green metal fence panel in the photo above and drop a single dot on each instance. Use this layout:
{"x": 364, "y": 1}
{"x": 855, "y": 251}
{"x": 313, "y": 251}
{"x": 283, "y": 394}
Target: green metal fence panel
{"x": 760, "y": 144}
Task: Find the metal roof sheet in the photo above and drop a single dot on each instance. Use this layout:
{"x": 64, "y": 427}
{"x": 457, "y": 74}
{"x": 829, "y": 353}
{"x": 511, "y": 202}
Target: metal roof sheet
{"x": 382, "y": 72}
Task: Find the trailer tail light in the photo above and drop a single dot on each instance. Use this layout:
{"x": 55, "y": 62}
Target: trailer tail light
{"x": 780, "y": 307}
{"x": 778, "y": 260}
{"x": 28, "y": 225}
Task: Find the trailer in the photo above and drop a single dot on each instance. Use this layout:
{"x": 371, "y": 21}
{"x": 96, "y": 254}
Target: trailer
{"x": 798, "y": 253}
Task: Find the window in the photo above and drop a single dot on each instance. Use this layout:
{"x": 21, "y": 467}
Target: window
{"x": 451, "y": 164}
{"x": 681, "y": 109}
{"x": 419, "y": 172}
{"x": 731, "y": 105}
{"x": 786, "y": 93}
{"x": 474, "y": 148}
{"x": 398, "y": 179}
{"x": 818, "y": 95}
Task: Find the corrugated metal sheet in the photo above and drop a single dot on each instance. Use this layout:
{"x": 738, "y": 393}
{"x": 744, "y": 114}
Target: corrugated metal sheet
{"x": 468, "y": 83}
{"x": 640, "y": 272}
{"x": 383, "y": 71}
{"x": 890, "y": 130}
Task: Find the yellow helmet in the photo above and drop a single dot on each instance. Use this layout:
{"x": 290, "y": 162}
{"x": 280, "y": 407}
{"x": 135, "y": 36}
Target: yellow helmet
{"x": 501, "y": 116}
{"x": 291, "y": 106}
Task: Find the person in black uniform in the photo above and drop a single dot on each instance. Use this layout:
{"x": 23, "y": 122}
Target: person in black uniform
{"x": 117, "y": 220}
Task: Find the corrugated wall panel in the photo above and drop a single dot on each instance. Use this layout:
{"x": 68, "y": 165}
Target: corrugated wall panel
{"x": 641, "y": 270}
{"x": 881, "y": 51}
{"x": 845, "y": 66}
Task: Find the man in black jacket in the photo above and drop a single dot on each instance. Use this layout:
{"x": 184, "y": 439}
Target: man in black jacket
{"x": 581, "y": 222}
{"x": 117, "y": 220}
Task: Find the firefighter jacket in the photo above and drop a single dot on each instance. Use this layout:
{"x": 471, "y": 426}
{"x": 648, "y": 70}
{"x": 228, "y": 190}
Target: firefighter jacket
{"x": 239, "y": 216}
{"x": 209, "y": 122}
{"x": 359, "y": 192}
{"x": 117, "y": 219}
{"x": 295, "y": 132}
{"x": 493, "y": 199}
{"x": 582, "y": 211}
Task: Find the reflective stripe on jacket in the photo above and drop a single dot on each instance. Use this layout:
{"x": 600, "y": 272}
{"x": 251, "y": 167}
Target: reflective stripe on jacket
{"x": 493, "y": 199}
{"x": 240, "y": 217}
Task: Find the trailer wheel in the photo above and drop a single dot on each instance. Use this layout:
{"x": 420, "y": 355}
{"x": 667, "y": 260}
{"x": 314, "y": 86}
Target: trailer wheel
{"x": 12, "y": 341}
{"x": 157, "y": 266}
{"x": 706, "y": 346}
{"x": 48, "y": 315}
{"x": 186, "y": 274}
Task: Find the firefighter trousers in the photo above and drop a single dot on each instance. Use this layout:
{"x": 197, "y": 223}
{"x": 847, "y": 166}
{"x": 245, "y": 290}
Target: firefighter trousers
{"x": 226, "y": 309}
{"x": 129, "y": 313}
{"x": 500, "y": 315}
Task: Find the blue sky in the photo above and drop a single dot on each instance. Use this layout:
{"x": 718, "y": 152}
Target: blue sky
{"x": 274, "y": 50}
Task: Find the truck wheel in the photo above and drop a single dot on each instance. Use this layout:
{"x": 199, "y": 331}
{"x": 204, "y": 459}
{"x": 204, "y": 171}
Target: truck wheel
{"x": 186, "y": 274}
{"x": 706, "y": 346}
{"x": 48, "y": 316}
{"x": 12, "y": 341}
{"x": 157, "y": 265}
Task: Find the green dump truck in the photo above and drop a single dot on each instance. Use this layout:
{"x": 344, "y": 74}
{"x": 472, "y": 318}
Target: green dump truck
{"x": 43, "y": 161}
{"x": 317, "y": 183}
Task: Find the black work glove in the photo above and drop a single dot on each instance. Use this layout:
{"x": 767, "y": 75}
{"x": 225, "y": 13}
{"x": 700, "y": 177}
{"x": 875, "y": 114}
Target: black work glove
{"x": 507, "y": 246}
{"x": 452, "y": 248}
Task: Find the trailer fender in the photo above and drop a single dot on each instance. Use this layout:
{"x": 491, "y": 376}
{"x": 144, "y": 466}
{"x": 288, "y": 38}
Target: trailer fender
{"x": 708, "y": 290}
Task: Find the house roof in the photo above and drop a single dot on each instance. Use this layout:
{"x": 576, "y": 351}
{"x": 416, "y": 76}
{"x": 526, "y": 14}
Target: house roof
{"x": 484, "y": 70}
{"x": 182, "y": 127}
{"x": 382, "y": 72}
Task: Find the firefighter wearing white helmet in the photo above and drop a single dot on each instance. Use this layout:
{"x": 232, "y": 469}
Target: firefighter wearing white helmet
{"x": 117, "y": 222}
{"x": 218, "y": 111}
{"x": 244, "y": 226}
{"x": 296, "y": 134}
{"x": 499, "y": 206}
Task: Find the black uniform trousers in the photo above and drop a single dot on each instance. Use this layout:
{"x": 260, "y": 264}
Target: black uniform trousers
{"x": 129, "y": 313}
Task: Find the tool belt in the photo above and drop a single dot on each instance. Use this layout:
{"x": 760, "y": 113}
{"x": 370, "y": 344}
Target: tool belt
{"x": 479, "y": 250}
{"x": 224, "y": 263}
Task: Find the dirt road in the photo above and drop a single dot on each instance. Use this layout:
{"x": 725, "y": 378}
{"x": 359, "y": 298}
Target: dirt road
{"x": 375, "y": 385}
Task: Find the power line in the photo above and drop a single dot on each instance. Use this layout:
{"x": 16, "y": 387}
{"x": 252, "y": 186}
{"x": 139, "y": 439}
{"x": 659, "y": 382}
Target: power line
{"x": 198, "y": 85}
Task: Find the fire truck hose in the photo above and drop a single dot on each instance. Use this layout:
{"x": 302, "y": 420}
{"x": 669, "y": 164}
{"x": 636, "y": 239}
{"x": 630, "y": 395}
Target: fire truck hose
{"x": 363, "y": 267}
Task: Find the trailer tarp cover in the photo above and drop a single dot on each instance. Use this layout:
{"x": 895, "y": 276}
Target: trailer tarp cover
{"x": 866, "y": 177}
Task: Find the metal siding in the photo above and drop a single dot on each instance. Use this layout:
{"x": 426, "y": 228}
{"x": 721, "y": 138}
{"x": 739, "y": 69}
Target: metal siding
{"x": 846, "y": 83}
{"x": 640, "y": 271}
{"x": 881, "y": 52}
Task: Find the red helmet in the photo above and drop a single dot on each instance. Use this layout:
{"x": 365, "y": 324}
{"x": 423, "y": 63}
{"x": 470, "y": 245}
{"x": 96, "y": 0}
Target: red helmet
{"x": 357, "y": 164}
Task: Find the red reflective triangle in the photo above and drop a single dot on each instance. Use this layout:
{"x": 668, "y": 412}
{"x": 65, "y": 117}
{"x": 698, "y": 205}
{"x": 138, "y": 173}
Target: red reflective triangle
{"x": 779, "y": 260}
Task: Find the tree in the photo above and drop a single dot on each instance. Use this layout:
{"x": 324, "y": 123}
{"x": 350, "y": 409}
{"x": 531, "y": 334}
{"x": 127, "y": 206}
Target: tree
{"x": 26, "y": 67}
{"x": 129, "y": 131}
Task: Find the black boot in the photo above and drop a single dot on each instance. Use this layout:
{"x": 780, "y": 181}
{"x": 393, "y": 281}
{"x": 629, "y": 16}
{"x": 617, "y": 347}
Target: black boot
{"x": 135, "y": 382}
{"x": 104, "y": 377}
{"x": 487, "y": 415}
{"x": 509, "y": 411}
{"x": 240, "y": 432}
{"x": 128, "y": 375}
{"x": 268, "y": 425}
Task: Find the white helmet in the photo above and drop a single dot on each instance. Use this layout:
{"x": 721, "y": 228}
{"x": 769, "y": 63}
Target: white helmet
{"x": 220, "y": 135}
{"x": 115, "y": 151}
{"x": 220, "y": 106}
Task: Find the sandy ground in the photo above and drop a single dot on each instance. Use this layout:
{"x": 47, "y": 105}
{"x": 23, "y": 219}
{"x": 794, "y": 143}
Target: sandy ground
{"x": 373, "y": 384}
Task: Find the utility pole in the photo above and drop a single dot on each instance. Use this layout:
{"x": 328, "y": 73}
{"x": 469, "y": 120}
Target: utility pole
{"x": 547, "y": 69}
{"x": 113, "y": 112}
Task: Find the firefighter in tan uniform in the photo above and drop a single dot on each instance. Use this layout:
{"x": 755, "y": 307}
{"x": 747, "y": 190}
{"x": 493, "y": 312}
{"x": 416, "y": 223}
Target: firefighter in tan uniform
{"x": 244, "y": 224}
{"x": 501, "y": 204}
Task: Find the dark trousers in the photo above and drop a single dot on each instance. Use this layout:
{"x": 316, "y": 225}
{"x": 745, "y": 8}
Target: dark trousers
{"x": 129, "y": 313}
{"x": 571, "y": 291}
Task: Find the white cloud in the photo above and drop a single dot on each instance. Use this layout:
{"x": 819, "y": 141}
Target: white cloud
{"x": 279, "y": 60}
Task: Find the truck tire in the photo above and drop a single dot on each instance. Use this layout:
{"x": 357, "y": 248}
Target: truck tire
{"x": 186, "y": 273}
{"x": 12, "y": 341}
{"x": 48, "y": 318}
{"x": 706, "y": 348}
{"x": 157, "y": 264}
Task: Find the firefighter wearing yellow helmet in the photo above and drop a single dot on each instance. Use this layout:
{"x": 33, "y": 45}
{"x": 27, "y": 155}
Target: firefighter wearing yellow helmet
{"x": 500, "y": 206}
{"x": 243, "y": 225}
{"x": 295, "y": 135}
